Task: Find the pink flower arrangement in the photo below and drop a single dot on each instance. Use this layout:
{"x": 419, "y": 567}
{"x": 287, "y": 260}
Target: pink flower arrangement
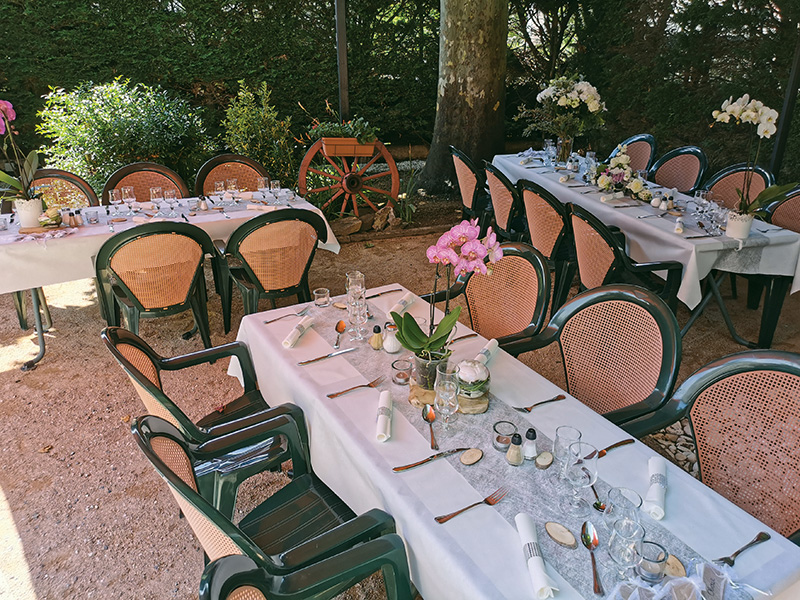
{"x": 25, "y": 166}
{"x": 8, "y": 114}
{"x": 461, "y": 250}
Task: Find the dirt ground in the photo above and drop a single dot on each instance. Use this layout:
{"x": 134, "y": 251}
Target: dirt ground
{"x": 82, "y": 515}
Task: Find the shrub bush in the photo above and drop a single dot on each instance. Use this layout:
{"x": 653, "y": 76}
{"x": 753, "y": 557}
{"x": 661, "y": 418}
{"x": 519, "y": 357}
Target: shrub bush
{"x": 95, "y": 129}
{"x": 253, "y": 129}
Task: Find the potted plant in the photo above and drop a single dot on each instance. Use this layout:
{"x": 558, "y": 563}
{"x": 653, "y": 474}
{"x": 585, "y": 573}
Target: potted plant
{"x": 616, "y": 176}
{"x": 459, "y": 251}
{"x": 355, "y": 137}
{"x": 27, "y": 201}
{"x": 569, "y": 107}
{"x": 762, "y": 120}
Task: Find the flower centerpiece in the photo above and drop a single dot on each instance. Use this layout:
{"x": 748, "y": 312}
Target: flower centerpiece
{"x": 458, "y": 251}
{"x": 762, "y": 120}
{"x": 27, "y": 200}
{"x": 617, "y": 176}
{"x": 569, "y": 107}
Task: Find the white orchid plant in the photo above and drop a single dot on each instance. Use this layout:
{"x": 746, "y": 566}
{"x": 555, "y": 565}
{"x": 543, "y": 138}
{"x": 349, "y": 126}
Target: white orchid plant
{"x": 763, "y": 120}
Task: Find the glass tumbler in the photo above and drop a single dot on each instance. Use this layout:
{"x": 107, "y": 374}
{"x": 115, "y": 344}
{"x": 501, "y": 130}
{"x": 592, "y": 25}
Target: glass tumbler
{"x": 652, "y": 562}
{"x": 446, "y": 388}
{"x": 565, "y": 435}
{"x": 625, "y": 545}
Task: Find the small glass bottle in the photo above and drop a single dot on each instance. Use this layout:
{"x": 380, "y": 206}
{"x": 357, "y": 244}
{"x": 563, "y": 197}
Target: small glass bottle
{"x": 390, "y": 342}
{"x": 78, "y": 218}
{"x": 529, "y": 447}
{"x": 376, "y": 341}
{"x": 514, "y": 453}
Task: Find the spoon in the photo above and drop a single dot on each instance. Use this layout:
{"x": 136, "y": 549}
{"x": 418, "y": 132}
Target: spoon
{"x": 340, "y": 327}
{"x": 429, "y": 417}
{"x": 598, "y": 504}
{"x": 590, "y": 540}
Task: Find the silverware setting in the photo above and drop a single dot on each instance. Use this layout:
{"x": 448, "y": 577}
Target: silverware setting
{"x": 370, "y": 297}
{"x": 528, "y": 409}
{"x": 589, "y": 191}
{"x": 429, "y": 416}
{"x": 648, "y": 216}
{"x": 701, "y": 235}
{"x": 491, "y": 500}
{"x": 375, "y": 382}
{"x": 324, "y": 356}
{"x": 607, "y": 449}
{"x": 432, "y": 457}
{"x": 626, "y": 206}
{"x": 462, "y": 337}
{"x": 300, "y": 313}
{"x": 763, "y": 536}
{"x": 591, "y": 541}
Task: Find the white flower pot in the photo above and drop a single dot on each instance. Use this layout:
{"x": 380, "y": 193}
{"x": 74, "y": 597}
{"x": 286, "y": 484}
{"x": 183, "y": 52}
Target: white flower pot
{"x": 739, "y": 225}
{"x": 28, "y": 212}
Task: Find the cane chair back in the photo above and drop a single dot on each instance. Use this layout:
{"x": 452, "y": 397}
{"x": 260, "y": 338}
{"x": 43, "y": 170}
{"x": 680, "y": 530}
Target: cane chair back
{"x": 546, "y": 217}
{"x": 475, "y": 201}
{"x": 505, "y": 203}
{"x": 514, "y": 297}
{"x": 62, "y": 189}
{"x": 142, "y": 176}
{"x": 681, "y": 168}
{"x": 641, "y": 149}
{"x": 724, "y": 186}
{"x": 229, "y": 166}
{"x": 596, "y": 257}
{"x": 786, "y": 213}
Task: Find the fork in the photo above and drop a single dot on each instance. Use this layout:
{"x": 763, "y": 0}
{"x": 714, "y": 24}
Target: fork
{"x": 528, "y": 409}
{"x": 300, "y": 313}
{"x": 491, "y": 500}
{"x": 375, "y": 382}
{"x": 762, "y": 536}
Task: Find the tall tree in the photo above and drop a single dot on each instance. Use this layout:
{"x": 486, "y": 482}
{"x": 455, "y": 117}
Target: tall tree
{"x": 470, "y": 99}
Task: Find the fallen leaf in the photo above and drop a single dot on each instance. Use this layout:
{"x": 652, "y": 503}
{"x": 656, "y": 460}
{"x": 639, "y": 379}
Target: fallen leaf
{"x": 45, "y": 449}
{"x": 369, "y": 245}
{"x": 126, "y": 419}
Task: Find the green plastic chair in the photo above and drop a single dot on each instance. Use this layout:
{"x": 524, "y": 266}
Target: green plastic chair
{"x": 744, "y": 407}
{"x": 294, "y": 529}
{"x": 475, "y": 200}
{"x": 269, "y": 257}
{"x": 154, "y": 270}
{"x": 621, "y": 349}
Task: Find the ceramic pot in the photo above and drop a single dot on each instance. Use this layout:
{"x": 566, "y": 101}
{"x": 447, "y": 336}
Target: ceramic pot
{"x": 739, "y": 225}
{"x": 28, "y": 212}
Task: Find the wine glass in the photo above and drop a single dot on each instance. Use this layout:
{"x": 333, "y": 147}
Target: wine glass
{"x": 219, "y": 191}
{"x": 621, "y": 503}
{"x": 115, "y": 199}
{"x": 446, "y": 388}
{"x": 171, "y": 196}
{"x": 625, "y": 545}
{"x": 357, "y": 315}
{"x": 262, "y": 185}
{"x": 129, "y": 197}
{"x": 581, "y": 472}
{"x": 565, "y": 435}
{"x": 232, "y": 186}
{"x": 157, "y": 198}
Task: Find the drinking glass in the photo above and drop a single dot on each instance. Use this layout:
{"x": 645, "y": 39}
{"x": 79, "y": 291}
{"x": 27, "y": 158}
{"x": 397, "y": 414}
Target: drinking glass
{"x": 262, "y": 184}
{"x": 550, "y": 153}
{"x": 355, "y": 285}
{"x": 275, "y": 186}
{"x": 157, "y": 197}
{"x": 219, "y": 190}
{"x": 232, "y": 185}
{"x": 171, "y": 196}
{"x": 642, "y": 175}
{"x": 581, "y": 473}
{"x": 129, "y": 197}
{"x": 357, "y": 315}
{"x": 446, "y": 388}
{"x": 115, "y": 199}
{"x": 621, "y": 503}
{"x": 625, "y": 545}
{"x": 652, "y": 562}
{"x": 565, "y": 435}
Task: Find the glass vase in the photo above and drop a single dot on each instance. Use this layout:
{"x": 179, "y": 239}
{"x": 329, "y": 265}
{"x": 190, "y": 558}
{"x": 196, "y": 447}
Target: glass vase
{"x": 564, "y": 150}
{"x": 425, "y": 369}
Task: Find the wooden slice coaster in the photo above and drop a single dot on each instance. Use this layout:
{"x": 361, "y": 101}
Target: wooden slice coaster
{"x": 118, "y": 220}
{"x": 26, "y": 230}
{"x": 675, "y": 212}
{"x": 544, "y": 460}
{"x": 561, "y": 535}
{"x": 340, "y": 305}
{"x": 471, "y": 456}
{"x": 473, "y": 406}
{"x": 674, "y": 567}
{"x": 217, "y": 208}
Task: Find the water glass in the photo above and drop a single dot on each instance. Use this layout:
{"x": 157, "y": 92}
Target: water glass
{"x": 232, "y": 186}
{"x": 565, "y": 436}
{"x": 219, "y": 189}
{"x": 446, "y": 388}
{"x": 322, "y": 297}
{"x": 642, "y": 174}
{"x": 621, "y": 503}
{"x": 581, "y": 473}
{"x": 92, "y": 217}
{"x": 171, "y": 196}
{"x": 275, "y": 186}
{"x": 625, "y": 545}
{"x": 357, "y": 316}
{"x": 157, "y": 197}
{"x": 115, "y": 199}
{"x": 652, "y": 562}
{"x": 129, "y": 197}
{"x": 262, "y": 184}
{"x": 355, "y": 285}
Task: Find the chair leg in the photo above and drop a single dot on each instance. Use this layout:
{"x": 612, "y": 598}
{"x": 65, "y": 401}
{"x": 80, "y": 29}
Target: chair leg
{"x": 22, "y": 309}
{"x": 131, "y": 316}
{"x": 755, "y": 289}
{"x": 47, "y": 320}
{"x": 227, "y": 300}
{"x": 200, "y": 312}
{"x": 565, "y": 273}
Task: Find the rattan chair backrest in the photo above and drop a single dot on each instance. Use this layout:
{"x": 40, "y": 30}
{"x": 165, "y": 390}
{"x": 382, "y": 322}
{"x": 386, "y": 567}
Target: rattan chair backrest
{"x": 546, "y": 224}
{"x": 228, "y": 166}
{"x": 467, "y": 180}
{"x": 504, "y": 198}
{"x": 681, "y": 168}
{"x": 246, "y": 592}
{"x": 640, "y": 153}
{"x": 595, "y": 257}
{"x": 278, "y": 253}
{"x": 62, "y": 189}
{"x": 786, "y": 214}
{"x": 725, "y": 185}
{"x": 142, "y": 176}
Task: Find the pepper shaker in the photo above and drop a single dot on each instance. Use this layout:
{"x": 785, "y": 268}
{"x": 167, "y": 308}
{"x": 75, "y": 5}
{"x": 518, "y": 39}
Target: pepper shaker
{"x": 514, "y": 453}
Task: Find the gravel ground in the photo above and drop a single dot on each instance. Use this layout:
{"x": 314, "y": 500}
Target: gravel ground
{"x": 82, "y": 515}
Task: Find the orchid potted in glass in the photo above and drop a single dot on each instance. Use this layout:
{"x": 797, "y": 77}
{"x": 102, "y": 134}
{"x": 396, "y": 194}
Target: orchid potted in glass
{"x": 27, "y": 200}
{"x": 458, "y": 251}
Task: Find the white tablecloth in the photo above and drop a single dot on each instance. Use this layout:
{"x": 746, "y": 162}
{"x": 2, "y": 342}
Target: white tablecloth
{"x": 776, "y": 252}
{"x": 477, "y": 556}
{"x": 31, "y": 264}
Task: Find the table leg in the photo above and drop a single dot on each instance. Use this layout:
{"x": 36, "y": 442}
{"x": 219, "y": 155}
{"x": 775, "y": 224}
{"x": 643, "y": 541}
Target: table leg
{"x": 37, "y": 316}
{"x": 776, "y": 288}
{"x": 712, "y": 291}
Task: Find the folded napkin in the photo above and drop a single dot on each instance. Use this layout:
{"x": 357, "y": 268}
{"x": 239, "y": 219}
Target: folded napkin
{"x": 543, "y": 586}
{"x": 147, "y": 206}
{"x": 679, "y": 225}
{"x": 298, "y": 330}
{"x": 565, "y": 178}
{"x": 403, "y": 303}
{"x": 245, "y": 195}
{"x": 383, "y": 430}
{"x": 261, "y": 207}
{"x": 227, "y": 196}
{"x": 487, "y": 352}
{"x": 653, "y": 503}
{"x": 147, "y": 220}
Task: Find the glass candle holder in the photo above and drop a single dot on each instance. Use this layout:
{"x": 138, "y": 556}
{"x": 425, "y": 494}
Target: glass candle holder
{"x": 501, "y": 435}
{"x": 653, "y": 562}
{"x": 322, "y": 297}
{"x": 401, "y": 371}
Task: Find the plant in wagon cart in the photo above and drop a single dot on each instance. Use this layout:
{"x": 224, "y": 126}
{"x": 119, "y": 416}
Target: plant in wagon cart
{"x": 762, "y": 120}
{"x": 459, "y": 251}
{"x": 569, "y": 107}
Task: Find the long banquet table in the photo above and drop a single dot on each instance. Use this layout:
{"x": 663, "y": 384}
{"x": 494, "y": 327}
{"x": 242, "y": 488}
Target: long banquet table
{"x": 478, "y": 554}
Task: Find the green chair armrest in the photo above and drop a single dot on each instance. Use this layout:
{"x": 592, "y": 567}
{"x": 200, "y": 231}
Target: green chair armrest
{"x": 219, "y": 245}
{"x": 547, "y": 336}
{"x": 637, "y": 410}
{"x": 237, "y": 349}
{"x": 670, "y": 412}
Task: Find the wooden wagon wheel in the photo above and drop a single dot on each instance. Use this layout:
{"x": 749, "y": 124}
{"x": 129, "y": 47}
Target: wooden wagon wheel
{"x": 326, "y": 179}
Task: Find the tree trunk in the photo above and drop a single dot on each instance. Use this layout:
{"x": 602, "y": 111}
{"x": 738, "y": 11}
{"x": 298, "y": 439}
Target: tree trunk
{"x": 470, "y": 103}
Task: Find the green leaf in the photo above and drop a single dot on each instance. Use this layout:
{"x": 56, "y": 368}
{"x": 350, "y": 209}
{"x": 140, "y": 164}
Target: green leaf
{"x": 412, "y": 331}
{"x": 445, "y": 326}
{"x": 771, "y": 194}
{"x": 9, "y": 180}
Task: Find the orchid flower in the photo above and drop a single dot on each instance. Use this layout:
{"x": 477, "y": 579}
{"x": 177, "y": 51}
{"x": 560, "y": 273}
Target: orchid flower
{"x": 473, "y": 250}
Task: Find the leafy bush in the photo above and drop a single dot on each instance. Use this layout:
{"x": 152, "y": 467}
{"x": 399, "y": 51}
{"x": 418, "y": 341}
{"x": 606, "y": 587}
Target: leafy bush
{"x": 253, "y": 129}
{"x": 95, "y": 129}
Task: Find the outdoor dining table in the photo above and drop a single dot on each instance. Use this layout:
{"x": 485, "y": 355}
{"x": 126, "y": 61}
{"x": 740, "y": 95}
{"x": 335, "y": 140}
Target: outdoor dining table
{"x": 479, "y": 554}
{"x": 36, "y": 261}
{"x": 769, "y": 251}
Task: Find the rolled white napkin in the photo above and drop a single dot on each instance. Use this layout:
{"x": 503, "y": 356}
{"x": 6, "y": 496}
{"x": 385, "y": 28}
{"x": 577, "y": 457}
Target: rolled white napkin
{"x": 403, "y": 303}
{"x": 565, "y": 178}
{"x": 487, "y": 352}
{"x": 260, "y": 207}
{"x": 147, "y": 206}
{"x": 147, "y": 220}
{"x": 227, "y": 196}
{"x": 543, "y": 586}
{"x": 383, "y": 430}
{"x": 607, "y": 197}
{"x": 654, "y": 500}
{"x": 679, "y": 225}
{"x": 298, "y": 330}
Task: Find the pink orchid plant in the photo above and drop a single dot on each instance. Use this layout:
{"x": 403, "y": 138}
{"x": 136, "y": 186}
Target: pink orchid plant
{"x": 25, "y": 166}
{"x": 459, "y": 251}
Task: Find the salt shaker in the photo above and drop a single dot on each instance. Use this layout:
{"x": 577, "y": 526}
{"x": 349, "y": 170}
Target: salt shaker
{"x": 390, "y": 342}
{"x": 529, "y": 447}
{"x": 203, "y": 205}
{"x": 514, "y": 452}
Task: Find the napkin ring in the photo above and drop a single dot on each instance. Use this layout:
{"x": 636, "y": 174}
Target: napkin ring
{"x": 384, "y": 411}
{"x": 658, "y": 479}
{"x": 299, "y": 329}
{"x": 532, "y": 549}
{"x": 484, "y": 352}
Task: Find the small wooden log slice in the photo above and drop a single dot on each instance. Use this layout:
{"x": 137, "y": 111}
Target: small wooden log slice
{"x": 340, "y": 305}
{"x": 544, "y": 460}
{"x": 674, "y": 567}
{"x": 41, "y": 229}
{"x": 561, "y": 535}
{"x": 473, "y": 406}
{"x": 471, "y": 456}
{"x": 419, "y": 396}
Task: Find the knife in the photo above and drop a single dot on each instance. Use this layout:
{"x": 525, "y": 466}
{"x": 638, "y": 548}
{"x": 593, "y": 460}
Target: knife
{"x": 605, "y": 451}
{"x": 462, "y": 337}
{"x": 429, "y": 459}
{"x": 382, "y": 293}
{"x": 337, "y": 353}
{"x": 185, "y": 218}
